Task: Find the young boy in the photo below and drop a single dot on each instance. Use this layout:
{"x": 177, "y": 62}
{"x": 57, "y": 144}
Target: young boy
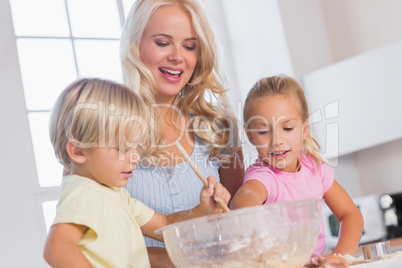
{"x": 96, "y": 128}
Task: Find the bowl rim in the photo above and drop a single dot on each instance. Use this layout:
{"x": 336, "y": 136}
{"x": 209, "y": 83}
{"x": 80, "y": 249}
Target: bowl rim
{"x": 245, "y": 210}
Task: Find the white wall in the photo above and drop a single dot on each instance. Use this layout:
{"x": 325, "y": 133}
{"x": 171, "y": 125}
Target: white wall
{"x": 346, "y": 173}
{"x": 367, "y": 91}
{"x": 306, "y": 34}
{"x": 357, "y": 26}
{"x": 22, "y": 229}
{"x": 354, "y": 27}
{"x": 380, "y": 168}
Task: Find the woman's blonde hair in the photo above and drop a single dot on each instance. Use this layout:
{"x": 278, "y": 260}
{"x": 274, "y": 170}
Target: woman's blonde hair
{"x": 284, "y": 85}
{"x": 91, "y": 112}
{"x": 217, "y": 118}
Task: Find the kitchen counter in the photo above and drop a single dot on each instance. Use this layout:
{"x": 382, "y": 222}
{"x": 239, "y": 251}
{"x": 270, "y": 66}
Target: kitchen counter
{"x": 393, "y": 260}
{"x": 396, "y": 244}
{"x": 389, "y": 263}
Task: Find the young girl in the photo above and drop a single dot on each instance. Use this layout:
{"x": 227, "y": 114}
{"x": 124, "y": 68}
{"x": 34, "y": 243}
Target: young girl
{"x": 289, "y": 166}
{"x": 96, "y": 127}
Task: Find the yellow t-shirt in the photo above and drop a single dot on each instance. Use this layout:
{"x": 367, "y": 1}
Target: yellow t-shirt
{"x": 114, "y": 237}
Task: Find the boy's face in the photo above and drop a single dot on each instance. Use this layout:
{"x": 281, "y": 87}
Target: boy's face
{"x": 275, "y": 128}
{"x": 109, "y": 166}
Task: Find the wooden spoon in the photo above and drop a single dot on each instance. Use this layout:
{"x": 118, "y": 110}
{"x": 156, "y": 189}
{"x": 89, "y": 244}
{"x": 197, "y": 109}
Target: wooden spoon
{"x": 199, "y": 173}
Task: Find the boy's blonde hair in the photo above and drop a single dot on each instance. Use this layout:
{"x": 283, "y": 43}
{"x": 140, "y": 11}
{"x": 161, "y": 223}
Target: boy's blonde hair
{"x": 214, "y": 123}
{"x": 284, "y": 85}
{"x": 91, "y": 112}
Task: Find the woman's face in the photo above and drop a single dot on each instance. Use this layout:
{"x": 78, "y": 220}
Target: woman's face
{"x": 169, "y": 48}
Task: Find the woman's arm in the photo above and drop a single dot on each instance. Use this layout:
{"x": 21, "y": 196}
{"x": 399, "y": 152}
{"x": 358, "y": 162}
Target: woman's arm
{"x": 252, "y": 193}
{"x": 349, "y": 216}
{"x": 61, "y": 249}
{"x": 231, "y": 173}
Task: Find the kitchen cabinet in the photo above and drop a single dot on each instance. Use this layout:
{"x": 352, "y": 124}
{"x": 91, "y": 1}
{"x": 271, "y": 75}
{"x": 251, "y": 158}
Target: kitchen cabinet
{"x": 358, "y": 99}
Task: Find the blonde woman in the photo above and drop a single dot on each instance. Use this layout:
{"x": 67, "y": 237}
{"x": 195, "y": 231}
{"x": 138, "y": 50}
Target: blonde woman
{"x": 96, "y": 128}
{"x": 168, "y": 55}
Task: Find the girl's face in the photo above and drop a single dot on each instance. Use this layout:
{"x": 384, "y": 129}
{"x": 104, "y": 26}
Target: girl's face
{"x": 169, "y": 48}
{"x": 276, "y": 129}
{"x": 108, "y": 166}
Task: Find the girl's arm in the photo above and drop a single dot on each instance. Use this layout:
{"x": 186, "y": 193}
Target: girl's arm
{"x": 207, "y": 206}
{"x": 232, "y": 173}
{"x": 252, "y": 193}
{"x": 349, "y": 216}
{"x": 61, "y": 249}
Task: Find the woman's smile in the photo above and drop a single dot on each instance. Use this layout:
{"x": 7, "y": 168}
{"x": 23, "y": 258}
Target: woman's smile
{"x": 169, "y": 48}
{"x": 172, "y": 75}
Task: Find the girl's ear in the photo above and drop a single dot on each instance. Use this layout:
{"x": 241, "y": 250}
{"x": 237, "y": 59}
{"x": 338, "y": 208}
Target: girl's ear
{"x": 305, "y": 129}
{"x": 249, "y": 136}
{"x": 76, "y": 153}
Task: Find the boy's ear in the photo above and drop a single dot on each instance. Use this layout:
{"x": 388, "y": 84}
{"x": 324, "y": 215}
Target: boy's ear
{"x": 76, "y": 153}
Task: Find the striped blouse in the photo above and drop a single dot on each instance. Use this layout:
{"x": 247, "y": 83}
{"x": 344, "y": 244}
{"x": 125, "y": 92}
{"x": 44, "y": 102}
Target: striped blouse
{"x": 174, "y": 188}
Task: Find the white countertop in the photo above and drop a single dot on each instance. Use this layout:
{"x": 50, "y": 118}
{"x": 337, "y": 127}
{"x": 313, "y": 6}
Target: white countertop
{"x": 392, "y": 260}
{"x": 388, "y": 263}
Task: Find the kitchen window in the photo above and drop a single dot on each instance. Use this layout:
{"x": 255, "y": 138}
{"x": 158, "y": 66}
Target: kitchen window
{"x": 58, "y": 41}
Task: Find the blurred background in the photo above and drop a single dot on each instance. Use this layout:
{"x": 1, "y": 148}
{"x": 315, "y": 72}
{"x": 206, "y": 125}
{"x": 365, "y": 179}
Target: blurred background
{"x": 347, "y": 54}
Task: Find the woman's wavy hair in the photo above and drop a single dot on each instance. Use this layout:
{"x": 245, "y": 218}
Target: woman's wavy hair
{"x": 284, "y": 85}
{"x": 214, "y": 122}
{"x": 93, "y": 111}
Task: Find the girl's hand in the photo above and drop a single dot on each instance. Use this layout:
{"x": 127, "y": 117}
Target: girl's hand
{"x": 335, "y": 261}
{"x": 208, "y": 197}
{"x": 331, "y": 261}
{"x": 314, "y": 262}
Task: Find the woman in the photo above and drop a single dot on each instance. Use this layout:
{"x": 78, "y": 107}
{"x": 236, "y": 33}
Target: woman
{"x": 168, "y": 55}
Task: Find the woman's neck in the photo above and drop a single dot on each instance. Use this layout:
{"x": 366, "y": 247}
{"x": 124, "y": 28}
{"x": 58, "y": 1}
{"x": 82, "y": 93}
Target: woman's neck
{"x": 165, "y": 101}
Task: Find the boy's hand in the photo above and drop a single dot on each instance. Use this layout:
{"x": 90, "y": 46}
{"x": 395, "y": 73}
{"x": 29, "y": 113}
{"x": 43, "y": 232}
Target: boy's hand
{"x": 208, "y": 197}
{"x": 208, "y": 205}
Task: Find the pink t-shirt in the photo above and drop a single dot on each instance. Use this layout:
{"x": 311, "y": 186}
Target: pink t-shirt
{"x": 308, "y": 183}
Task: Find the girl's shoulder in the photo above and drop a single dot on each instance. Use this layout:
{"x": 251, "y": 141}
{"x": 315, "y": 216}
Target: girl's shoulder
{"x": 311, "y": 164}
{"x": 258, "y": 166}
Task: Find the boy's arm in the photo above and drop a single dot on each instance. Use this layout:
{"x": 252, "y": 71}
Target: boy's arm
{"x": 252, "y": 193}
{"x": 349, "y": 216}
{"x": 208, "y": 205}
{"x": 61, "y": 249}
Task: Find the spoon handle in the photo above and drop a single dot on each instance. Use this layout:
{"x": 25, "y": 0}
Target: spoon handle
{"x": 199, "y": 173}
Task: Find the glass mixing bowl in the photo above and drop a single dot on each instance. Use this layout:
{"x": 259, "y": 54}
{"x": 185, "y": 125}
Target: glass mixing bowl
{"x": 275, "y": 235}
